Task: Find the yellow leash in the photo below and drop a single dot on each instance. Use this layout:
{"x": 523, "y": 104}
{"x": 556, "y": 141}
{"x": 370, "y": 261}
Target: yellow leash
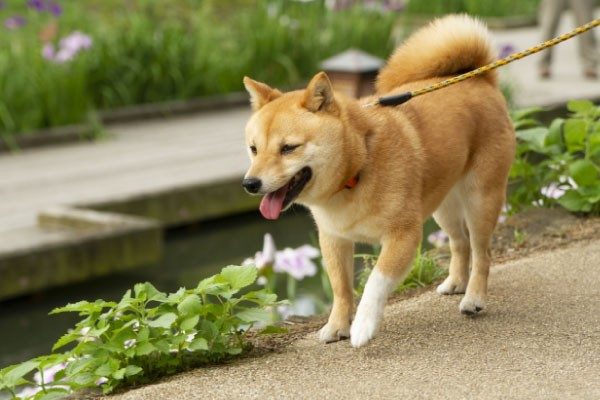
{"x": 404, "y": 97}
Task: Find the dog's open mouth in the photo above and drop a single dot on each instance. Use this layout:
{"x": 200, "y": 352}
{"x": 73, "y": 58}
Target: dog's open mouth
{"x": 273, "y": 203}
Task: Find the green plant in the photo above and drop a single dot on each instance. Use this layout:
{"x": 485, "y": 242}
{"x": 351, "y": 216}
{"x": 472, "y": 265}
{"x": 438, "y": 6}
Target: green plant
{"x": 558, "y": 164}
{"x": 424, "y": 271}
{"x": 172, "y": 51}
{"x": 498, "y": 8}
{"x": 148, "y": 334}
{"x": 519, "y": 236}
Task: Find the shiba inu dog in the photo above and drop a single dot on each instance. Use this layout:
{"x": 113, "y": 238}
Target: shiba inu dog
{"x": 376, "y": 174}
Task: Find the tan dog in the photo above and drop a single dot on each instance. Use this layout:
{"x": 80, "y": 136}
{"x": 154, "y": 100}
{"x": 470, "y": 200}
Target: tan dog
{"x": 376, "y": 174}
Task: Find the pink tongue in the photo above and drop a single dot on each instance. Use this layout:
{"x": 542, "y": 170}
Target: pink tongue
{"x": 272, "y": 203}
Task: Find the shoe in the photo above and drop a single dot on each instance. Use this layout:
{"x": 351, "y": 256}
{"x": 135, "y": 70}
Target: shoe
{"x": 544, "y": 72}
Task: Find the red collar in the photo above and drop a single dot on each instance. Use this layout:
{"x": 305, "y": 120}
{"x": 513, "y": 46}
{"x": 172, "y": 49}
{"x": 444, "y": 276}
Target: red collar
{"x": 351, "y": 183}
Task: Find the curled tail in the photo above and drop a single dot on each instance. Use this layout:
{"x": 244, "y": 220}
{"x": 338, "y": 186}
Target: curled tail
{"x": 447, "y": 46}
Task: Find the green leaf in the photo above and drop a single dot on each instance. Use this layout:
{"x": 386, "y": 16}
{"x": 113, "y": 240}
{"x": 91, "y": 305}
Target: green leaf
{"x": 148, "y": 292}
{"x": 144, "y": 348}
{"x": 234, "y": 350}
{"x": 239, "y": 276}
{"x": 254, "y": 315}
{"x": 594, "y": 143}
{"x": 584, "y": 172}
{"x": 189, "y": 323}
{"x": 575, "y": 131}
{"x": 198, "y": 343}
{"x": 535, "y": 137}
{"x": 104, "y": 370}
{"x": 164, "y": 321}
{"x": 573, "y": 201}
{"x": 132, "y": 370}
{"x": 14, "y": 374}
{"x": 554, "y": 136}
{"x": 65, "y": 339}
{"x": 190, "y": 305}
{"x": 52, "y": 394}
{"x": 261, "y": 297}
{"x": 84, "y": 307}
{"x": 580, "y": 106}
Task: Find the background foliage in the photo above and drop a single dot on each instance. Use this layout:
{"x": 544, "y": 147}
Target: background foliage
{"x": 149, "y": 51}
{"x": 559, "y": 163}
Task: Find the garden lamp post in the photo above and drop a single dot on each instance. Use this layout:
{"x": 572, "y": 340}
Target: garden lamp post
{"x": 353, "y": 72}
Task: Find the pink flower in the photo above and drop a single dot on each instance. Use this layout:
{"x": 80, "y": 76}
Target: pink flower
{"x": 438, "y": 238}
{"x": 68, "y": 47}
{"x": 265, "y": 257}
{"x": 15, "y": 22}
{"x": 49, "y": 373}
{"x": 295, "y": 262}
{"x": 553, "y": 191}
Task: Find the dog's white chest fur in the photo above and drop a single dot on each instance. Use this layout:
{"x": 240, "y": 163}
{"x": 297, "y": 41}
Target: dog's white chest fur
{"x": 344, "y": 222}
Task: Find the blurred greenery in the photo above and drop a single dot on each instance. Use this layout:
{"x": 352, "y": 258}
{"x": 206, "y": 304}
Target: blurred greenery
{"x": 483, "y": 8}
{"x": 149, "y": 51}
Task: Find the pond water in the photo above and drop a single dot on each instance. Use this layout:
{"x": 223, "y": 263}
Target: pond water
{"x": 191, "y": 253}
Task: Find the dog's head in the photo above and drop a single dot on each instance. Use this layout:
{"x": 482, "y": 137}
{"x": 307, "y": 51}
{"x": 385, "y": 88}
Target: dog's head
{"x": 294, "y": 142}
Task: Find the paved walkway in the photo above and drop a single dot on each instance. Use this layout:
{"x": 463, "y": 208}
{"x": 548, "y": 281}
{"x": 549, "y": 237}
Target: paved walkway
{"x": 539, "y": 339}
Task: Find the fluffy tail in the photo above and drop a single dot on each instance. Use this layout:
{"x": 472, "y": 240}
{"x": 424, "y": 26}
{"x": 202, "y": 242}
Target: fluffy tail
{"x": 447, "y": 46}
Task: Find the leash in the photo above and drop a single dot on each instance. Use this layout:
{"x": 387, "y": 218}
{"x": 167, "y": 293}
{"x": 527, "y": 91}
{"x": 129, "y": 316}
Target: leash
{"x": 404, "y": 97}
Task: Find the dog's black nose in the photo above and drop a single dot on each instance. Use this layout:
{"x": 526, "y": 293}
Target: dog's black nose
{"x": 252, "y": 185}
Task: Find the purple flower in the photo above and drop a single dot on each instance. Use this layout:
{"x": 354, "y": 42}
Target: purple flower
{"x": 14, "y": 22}
{"x": 38, "y": 5}
{"x": 438, "y": 238}
{"x": 55, "y": 9}
{"x": 506, "y": 50}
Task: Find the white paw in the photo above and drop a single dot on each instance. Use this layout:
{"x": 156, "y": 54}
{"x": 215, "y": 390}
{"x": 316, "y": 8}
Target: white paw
{"x": 449, "y": 286}
{"x": 332, "y": 333}
{"x": 471, "y": 305}
{"x": 370, "y": 309}
{"x": 364, "y": 328}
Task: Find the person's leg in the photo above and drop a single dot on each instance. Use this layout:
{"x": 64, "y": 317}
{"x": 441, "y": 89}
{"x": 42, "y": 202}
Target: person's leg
{"x": 549, "y": 17}
{"x": 584, "y": 13}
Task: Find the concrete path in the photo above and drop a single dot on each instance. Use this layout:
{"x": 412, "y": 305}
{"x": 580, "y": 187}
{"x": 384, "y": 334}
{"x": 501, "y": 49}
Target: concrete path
{"x": 539, "y": 339}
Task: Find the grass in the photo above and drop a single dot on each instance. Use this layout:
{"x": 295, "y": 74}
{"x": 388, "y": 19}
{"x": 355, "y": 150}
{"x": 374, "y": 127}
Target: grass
{"x": 171, "y": 51}
{"x": 423, "y": 272}
{"x": 497, "y": 8}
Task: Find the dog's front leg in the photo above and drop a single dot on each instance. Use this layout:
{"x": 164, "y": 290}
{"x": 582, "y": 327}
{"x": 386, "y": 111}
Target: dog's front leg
{"x": 397, "y": 252}
{"x": 338, "y": 255}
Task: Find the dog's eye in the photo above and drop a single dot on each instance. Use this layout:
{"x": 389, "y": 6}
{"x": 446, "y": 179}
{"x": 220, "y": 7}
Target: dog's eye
{"x": 253, "y": 149}
{"x": 288, "y": 148}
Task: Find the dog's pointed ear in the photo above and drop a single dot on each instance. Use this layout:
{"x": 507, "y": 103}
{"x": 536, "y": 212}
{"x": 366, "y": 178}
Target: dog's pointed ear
{"x": 319, "y": 94}
{"x": 260, "y": 93}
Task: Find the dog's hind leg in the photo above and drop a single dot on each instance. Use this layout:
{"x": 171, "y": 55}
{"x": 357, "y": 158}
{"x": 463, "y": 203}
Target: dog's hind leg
{"x": 450, "y": 217}
{"x": 482, "y": 203}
